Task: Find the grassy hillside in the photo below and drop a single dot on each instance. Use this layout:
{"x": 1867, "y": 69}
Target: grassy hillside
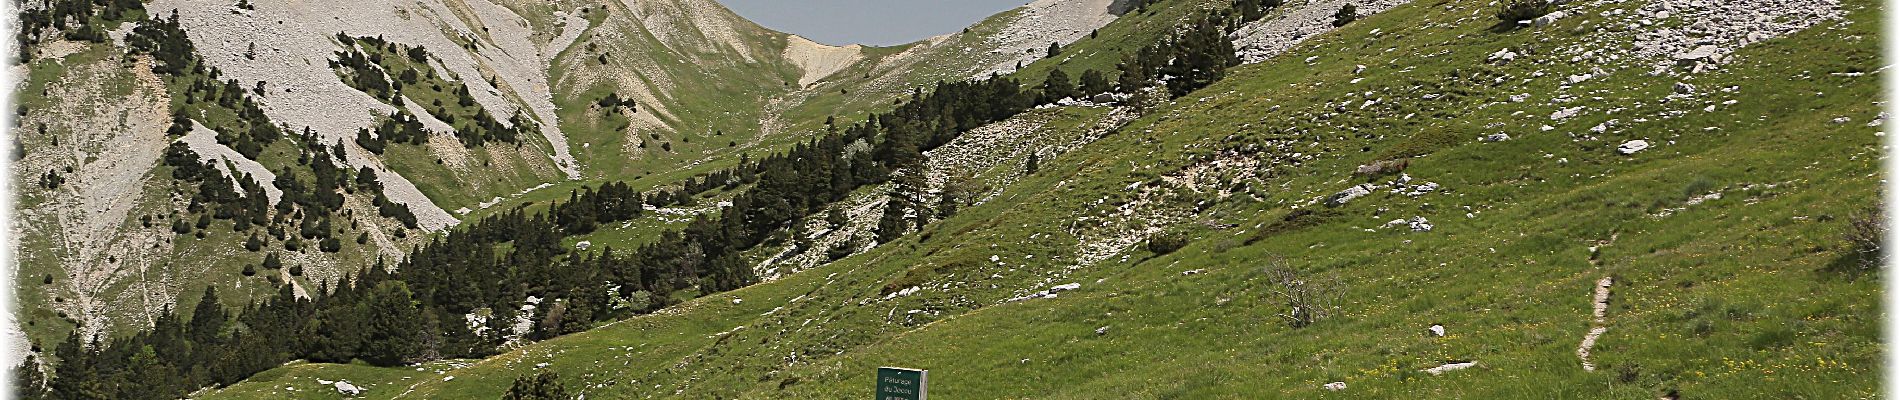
{"x": 1722, "y": 243}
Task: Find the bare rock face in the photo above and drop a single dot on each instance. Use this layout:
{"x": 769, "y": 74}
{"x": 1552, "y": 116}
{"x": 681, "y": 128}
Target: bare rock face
{"x": 1271, "y": 36}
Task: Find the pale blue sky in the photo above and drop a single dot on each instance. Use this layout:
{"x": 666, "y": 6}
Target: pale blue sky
{"x": 872, "y": 22}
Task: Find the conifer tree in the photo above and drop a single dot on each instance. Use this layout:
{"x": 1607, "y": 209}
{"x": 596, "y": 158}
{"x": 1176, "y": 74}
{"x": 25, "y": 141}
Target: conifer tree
{"x": 392, "y": 323}
{"x": 1093, "y": 83}
{"x": 1057, "y": 87}
{"x": 28, "y": 381}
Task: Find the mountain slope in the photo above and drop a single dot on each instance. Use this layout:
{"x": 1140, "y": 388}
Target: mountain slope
{"x": 1717, "y": 237}
{"x": 97, "y": 252}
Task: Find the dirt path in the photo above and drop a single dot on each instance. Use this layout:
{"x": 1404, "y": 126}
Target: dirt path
{"x": 1600, "y": 304}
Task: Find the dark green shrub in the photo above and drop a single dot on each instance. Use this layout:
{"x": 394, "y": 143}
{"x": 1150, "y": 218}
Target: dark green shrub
{"x": 1512, "y": 11}
{"x": 1167, "y": 242}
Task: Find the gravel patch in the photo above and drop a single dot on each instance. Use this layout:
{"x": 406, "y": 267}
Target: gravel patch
{"x": 1279, "y": 32}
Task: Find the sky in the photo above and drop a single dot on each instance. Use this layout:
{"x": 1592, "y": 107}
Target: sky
{"x": 870, "y": 22}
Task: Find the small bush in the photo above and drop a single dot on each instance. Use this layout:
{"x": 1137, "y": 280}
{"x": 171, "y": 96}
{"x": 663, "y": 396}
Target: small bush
{"x": 1346, "y": 15}
{"x": 1167, "y": 242}
{"x": 1513, "y": 11}
{"x": 1307, "y": 300}
{"x": 1865, "y": 231}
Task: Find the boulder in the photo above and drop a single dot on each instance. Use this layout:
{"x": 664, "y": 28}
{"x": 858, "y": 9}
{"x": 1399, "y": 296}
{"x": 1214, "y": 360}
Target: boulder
{"x": 1336, "y": 386}
{"x": 346, "y": 388}
{"x": 1548, "y": 19}
{"x": 1701, "y": 54}
{"x": 1566, "y": 113}
{"x": 1344, "y": 196}
{"x": 1502, "y": 55}
{"x": 1495, "y": 137}
{"x": 1684, "y": 88}
{"x": 1631, "y": 147}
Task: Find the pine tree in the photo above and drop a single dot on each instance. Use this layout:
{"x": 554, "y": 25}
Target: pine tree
{"x": 1133, "y": 77}
{"x": 1093, "y": 83}
{"x": 391, "y": 325}
{"x": 1202, "y": 56}
{"x": 28, "y": 381}
{"x": 1054, "y": 49}
{"x": 893, "y": 225}
{"x": 1057, "y": 87}
{"x": 208, "y": 320}
{"x": 1034, "y": 163}
{"x": 77, "y": 376}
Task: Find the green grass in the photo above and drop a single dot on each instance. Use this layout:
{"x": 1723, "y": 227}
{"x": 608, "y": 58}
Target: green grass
{"x": 1736, "y": 297}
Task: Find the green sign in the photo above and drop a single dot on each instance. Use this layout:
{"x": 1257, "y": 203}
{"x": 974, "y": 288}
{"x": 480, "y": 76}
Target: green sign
{"x": 902, "y": 384}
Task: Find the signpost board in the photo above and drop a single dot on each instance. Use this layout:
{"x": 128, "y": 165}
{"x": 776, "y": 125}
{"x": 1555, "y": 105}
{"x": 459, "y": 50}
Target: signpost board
{"x": 902, "y": 384}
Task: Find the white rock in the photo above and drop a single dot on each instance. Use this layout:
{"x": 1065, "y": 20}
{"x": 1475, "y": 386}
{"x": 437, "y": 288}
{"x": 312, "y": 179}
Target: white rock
{"x": 1336, "y": 386}
{"x": 1548, "y": 19}
{"x": 1566, "y": 113}
{"x": 1450, "y": 367}
{"x": 1495, "y": 137}
{"x": 1344, "y": 196}
{"x": 1503, "y": 55}
{"x": 1633, "y": 146}
{"x": 1437, "y": 330}
{"x": 1704, "y": 52}
{"x": 1684, "y": 88}
{"x": 347, "y": 389}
